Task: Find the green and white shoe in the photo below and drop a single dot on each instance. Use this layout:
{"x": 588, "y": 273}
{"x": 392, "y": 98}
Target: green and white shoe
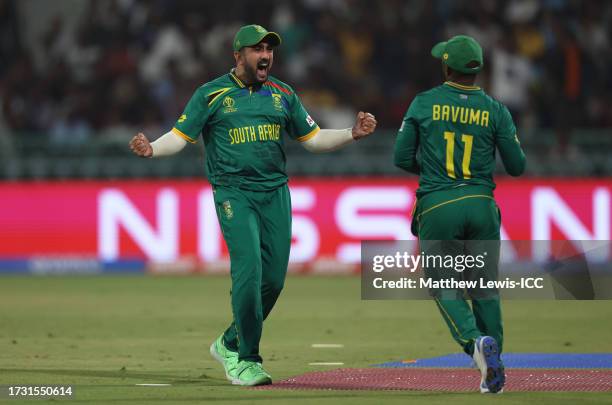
{"x": 228, "y": 358}
{"x": 251, "y": 373}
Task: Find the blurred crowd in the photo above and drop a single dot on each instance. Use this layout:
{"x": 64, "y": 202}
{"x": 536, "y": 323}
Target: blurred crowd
{"x": 123, "y": 65}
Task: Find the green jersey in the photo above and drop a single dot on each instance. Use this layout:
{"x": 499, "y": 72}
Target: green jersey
{"x": 243, "y": 129}
{"x": 455, "y": 130}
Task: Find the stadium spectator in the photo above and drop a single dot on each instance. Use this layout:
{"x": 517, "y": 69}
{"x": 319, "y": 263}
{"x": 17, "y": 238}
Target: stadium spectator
{"x": 549, "y": 60}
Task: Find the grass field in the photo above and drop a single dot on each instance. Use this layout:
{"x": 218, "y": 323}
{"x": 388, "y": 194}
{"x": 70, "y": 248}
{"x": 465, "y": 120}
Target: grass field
{"x": 105, "y": 334}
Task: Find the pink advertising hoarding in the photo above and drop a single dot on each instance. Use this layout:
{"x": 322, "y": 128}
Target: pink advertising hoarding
{"x": 174, "y": 221}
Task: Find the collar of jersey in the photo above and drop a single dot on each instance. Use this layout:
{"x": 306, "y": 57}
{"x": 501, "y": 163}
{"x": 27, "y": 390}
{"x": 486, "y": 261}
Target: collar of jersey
{"x": 461, "y": 86}
{"x": 235, "y": 79}
{"x": 240, "y": 83}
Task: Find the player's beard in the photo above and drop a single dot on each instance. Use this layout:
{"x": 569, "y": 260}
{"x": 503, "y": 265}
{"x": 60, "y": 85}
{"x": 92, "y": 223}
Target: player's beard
{"x": 251, "y": 74}
{"x": 257, "y": 76}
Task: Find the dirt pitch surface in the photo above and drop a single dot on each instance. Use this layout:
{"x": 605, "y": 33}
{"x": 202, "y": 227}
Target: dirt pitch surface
{"x": 448, "y": 380}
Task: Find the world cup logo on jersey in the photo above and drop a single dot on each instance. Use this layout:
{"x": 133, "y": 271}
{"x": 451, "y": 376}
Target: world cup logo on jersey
{"x": 228, "y": 103}
{"x": 277, "y": 101}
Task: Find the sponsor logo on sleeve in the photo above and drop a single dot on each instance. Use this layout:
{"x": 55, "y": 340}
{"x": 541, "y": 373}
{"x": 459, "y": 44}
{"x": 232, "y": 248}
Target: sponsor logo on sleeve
{"x": 310, "y": 121}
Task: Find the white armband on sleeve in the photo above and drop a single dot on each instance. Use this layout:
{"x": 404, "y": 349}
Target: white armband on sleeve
{"x": 327, "y": 140}
{"x": 168, "y": 144}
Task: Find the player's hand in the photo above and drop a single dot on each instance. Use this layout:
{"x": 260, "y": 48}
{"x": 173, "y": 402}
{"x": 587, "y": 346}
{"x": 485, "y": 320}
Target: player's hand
{"x": 140, "y": 145}
{"x": 364, "y": 125}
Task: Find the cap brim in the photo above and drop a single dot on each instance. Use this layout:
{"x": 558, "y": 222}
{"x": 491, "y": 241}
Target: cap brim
{"x": 272, "y": 38}
{"x": 438, "y": 50}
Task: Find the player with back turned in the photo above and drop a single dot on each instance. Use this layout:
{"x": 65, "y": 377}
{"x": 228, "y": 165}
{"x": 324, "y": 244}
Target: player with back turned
{"x": 448, "y": 137}
{"x": 243, "y": 118}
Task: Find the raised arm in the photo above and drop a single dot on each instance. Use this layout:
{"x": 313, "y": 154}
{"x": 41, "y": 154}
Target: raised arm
{"x": 186, "y": 129}
{"x": 166, "y": 145}
{"x": 327, "y": 140}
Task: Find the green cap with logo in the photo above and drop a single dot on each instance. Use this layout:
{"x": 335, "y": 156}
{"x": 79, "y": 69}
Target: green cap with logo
{"x": 253, "y": 34}
{"x": 460, "y": 53}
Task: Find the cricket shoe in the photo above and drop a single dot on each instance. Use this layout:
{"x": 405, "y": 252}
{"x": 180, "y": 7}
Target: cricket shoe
{"x": 228, "y": 358}
{"x": 486, "y": 356}
{"x": 251, "y": 373}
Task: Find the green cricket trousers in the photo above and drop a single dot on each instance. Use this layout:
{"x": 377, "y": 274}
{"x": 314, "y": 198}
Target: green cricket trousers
{"x": 256, "y": 226}
{"x": 464, "y": 220}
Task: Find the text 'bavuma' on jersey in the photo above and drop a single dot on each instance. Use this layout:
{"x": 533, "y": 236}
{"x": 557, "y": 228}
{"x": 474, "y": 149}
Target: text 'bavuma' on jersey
{"x": 463, "y": 115}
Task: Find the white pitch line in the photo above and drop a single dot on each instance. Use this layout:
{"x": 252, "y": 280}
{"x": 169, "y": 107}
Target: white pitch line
{"x": 326, "y": 364}
{"x": 327, "y": 345}
{"x": 154, "y": 385}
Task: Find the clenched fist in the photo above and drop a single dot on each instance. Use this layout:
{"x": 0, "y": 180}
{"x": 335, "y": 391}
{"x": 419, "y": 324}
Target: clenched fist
{"x": 140, "y": 145}
{"x": 364, "y": 126}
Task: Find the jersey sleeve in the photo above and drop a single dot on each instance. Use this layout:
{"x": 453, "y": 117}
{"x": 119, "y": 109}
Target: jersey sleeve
{"x": 194, "y": 117}
{"x": 508, "y": 144}
{"x": 301, "y": 127}
{"x": 407, "y": 141}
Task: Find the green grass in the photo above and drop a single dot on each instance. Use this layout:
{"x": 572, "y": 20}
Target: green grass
{"x": 105, "y": 334}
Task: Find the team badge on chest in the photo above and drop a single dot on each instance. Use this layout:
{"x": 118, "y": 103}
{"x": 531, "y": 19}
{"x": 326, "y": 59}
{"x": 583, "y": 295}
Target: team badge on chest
{"x": 277, "y": 102}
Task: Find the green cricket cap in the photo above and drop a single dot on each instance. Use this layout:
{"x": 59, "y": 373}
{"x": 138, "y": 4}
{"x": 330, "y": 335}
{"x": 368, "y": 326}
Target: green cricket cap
{"x": 253, "y": 34}
{"x": 459, "y": 53}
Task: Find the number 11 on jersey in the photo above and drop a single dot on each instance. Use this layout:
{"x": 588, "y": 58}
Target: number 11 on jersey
{"x": 450, "y": 152}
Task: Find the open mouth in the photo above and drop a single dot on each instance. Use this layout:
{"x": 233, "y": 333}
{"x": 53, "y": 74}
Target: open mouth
{"x": 262, "y": 68}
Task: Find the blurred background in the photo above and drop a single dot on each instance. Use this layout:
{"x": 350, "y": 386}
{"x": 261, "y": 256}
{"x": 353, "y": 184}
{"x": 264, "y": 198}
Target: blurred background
{"x": 79, "y": 77}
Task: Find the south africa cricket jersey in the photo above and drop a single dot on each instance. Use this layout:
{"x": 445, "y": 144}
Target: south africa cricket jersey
{"x": 456, "y": 129}
{"x": 243, "y": 129}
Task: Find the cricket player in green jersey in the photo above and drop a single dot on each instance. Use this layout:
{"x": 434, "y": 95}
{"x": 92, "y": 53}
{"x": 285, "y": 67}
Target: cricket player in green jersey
{"x": 448, "y": 137}
{"x": 243, "y": 117}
